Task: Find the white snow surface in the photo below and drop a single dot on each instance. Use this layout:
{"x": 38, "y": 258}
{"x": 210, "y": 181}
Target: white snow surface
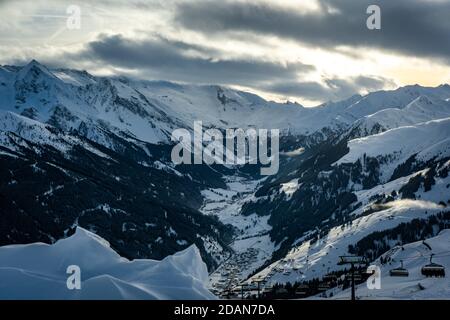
{"x": 426, "y": 140}
{"x": 37, "y": 132}
{"x": 422, "y": 109}
{"x": 38, "y": 271}
{"x": 314, "y": 260}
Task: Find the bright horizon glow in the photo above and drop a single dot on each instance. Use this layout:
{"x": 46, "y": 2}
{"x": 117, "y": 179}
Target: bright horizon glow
{"x": 37, "y": 30}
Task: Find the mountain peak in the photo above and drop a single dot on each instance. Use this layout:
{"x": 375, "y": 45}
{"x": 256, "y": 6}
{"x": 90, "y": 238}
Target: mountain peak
{"x": 34, "y": 63}
{"x": 35, "y": 67}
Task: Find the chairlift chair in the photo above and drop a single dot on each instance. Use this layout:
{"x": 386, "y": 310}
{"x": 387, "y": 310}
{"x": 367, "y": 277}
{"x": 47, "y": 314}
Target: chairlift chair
{"x": 323, "y": 287}
{"x": 329, "y": 278}
{"x": 302, "y": 290}
{"x": 357, "y": 277}
{"x": 399, "y": 272}
{"x": 433, "y": 269}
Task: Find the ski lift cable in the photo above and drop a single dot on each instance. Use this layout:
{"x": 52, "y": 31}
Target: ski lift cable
{"x": 441, "y": 254}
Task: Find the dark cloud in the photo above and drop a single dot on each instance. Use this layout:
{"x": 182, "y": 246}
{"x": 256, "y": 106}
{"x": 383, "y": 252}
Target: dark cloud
{"x": 333, "y": 89}
{"x": 412, "y": 27}
{"x": 160, "y": 58}
{"x": 371, "y": 83}
{"x": 174, "y": 60}
{"x": 308, "y": 90}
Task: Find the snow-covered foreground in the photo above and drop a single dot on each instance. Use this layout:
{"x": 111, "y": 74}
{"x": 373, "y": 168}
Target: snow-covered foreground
{"x": 38, "y": 271}
{"x": 415, "y": 286}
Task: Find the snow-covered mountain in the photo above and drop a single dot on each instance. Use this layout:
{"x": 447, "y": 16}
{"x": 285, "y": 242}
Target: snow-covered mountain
{"x": 424, "y": 141}
{"x": 38, "y": 271}
{"x": 394, "y": 182}
{"x": 149, "y": 111}
{"x": 422, "y": 109}
{"x": 56, "y": 142}
{"x": 81, "y": 150}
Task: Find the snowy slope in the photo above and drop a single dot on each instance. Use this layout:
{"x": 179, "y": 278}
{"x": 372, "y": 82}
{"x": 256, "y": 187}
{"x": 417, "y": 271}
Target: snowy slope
{"x": 317, "y": 259}
{"x": 381, "y": 207}
{"x": 38, "y": 271}
{"x": 427, "y": 140}
{"x": 39, "y": 133}
{"x": 416, "y": 286}
{"x": 399, "y": 98}
{"x": 422, "y": 109}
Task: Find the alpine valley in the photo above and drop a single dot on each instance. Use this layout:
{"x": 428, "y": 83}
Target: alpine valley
{"x": 364, "y": 176}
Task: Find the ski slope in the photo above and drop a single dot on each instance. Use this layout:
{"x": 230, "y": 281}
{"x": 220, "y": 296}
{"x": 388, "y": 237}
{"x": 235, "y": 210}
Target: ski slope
{"x": 314, "y": 260}
{"x": 415, "y": 286}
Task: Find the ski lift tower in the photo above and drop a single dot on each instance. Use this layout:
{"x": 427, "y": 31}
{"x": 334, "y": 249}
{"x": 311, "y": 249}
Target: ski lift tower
{"x": 258, "y": 281}
{"x": 243, "y": 284}
{"x": 352, "y": 261}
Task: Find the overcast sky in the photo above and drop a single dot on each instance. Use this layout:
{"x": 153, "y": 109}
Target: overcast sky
{"x": 309, "y": 51}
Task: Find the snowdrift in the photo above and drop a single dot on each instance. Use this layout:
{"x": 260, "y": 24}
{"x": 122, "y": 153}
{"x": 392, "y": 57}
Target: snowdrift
{"x": 38, "y": 271}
